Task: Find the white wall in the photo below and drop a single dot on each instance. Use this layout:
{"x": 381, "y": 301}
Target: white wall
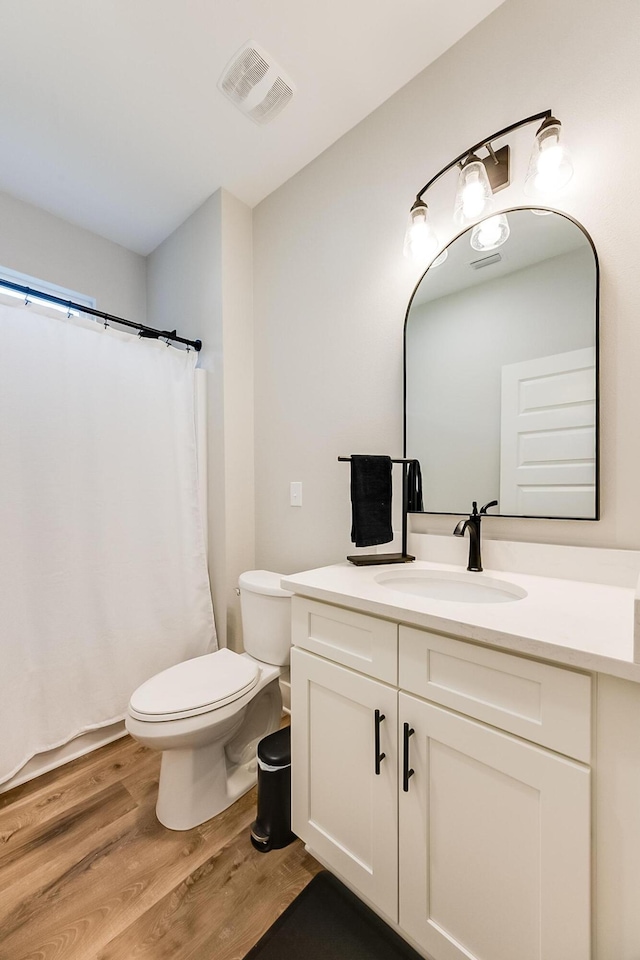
{"x": 237, "y": 341}
{"x": 199, "y": 280}
{"x": 331, "y": 286}
{"x": 35, "y": 242}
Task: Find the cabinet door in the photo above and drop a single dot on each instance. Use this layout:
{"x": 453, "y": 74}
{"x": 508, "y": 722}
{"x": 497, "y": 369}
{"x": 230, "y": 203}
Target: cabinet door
{"x": 494, "y": 843}
{"x": 341, "y": 807}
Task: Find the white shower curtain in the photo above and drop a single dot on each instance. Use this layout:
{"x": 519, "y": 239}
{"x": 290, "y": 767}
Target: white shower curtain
{"x": 103, "y": 575}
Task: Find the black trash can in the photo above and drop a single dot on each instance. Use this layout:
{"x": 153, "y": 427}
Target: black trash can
{"x": 272, "y": 827}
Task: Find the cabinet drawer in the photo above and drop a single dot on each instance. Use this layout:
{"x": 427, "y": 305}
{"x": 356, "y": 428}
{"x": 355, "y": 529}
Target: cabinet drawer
{"x": 545, "y": 704}
{"x": 366, "y": 644}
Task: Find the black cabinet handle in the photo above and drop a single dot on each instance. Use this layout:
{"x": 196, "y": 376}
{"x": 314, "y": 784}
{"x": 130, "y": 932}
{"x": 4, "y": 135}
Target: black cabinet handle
{"x": 379, "y": 717}
{"x": 407, "y": 772}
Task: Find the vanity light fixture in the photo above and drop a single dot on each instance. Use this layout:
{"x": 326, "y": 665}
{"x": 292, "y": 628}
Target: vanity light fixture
{"x": 474, "y": 195}
{"x": 550, "y": 167}
{"x": 549, "y": 170}
{"x": 420, "y": 242}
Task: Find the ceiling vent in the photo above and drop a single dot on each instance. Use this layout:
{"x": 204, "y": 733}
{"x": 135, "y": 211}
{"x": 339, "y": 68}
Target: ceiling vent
{"x": 256, "y": 84}
{"x": 486, "y": 261}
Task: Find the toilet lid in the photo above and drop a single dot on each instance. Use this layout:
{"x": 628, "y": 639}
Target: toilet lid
{"x": 195, "y": 686}
{"x": 263, "y": 581}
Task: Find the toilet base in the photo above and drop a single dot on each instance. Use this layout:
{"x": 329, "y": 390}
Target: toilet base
{"x": 196, "y": 785}
{"x": 204, "y": 777}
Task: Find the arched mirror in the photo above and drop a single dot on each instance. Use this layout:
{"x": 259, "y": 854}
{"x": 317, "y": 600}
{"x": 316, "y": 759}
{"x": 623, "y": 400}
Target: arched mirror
{"x": 501, "y": 372}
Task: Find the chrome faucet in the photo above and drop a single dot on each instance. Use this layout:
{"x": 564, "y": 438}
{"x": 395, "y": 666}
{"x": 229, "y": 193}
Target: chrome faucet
{"x": 472, "y": 524}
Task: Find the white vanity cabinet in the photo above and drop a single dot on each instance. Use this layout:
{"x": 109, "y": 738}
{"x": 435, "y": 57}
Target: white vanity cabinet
{"x": 493, "y": 843}
{"x": 346, "y": 807}
{"x": 472, "y": 833}
{"x": 342, "y": 809}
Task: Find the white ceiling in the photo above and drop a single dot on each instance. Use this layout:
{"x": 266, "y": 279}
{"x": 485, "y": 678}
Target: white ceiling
{"x": 110, "y": 116}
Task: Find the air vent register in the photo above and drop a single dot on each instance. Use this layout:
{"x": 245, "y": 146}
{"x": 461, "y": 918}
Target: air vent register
{"x": 256, "y": 84}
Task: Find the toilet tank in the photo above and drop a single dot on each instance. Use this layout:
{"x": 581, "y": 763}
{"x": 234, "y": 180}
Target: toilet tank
{"x": 266, "y": 616}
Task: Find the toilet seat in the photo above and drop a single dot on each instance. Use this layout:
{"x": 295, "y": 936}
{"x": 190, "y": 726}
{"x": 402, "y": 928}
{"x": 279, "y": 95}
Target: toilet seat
{"x": 194, "y": 687}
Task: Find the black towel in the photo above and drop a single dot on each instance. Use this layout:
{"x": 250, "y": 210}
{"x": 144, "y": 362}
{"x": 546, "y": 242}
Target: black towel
{"x": 414, "y": 487}
{"x": 370, "y": 500}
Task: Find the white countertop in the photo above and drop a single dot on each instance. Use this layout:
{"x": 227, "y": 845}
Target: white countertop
{"x": 586, "y": 625}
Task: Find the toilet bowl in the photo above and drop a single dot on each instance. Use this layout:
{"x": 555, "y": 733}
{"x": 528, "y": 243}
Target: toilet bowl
{"x": 207, "y": 714}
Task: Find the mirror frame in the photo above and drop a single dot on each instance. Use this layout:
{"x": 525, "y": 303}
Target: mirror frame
{"x": 515, "y": 516}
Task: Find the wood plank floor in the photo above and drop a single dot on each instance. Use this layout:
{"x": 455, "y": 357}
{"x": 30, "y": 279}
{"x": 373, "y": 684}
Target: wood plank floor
{"x": 88, "y": 873}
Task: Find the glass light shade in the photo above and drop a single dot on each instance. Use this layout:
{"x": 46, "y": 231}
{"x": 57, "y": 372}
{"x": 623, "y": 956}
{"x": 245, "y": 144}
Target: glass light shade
{"x": 439, "y": 260}
{"x": 550, "y": 167}
{"x": 420, "y": 241}
{"x": 473, "y": 196}
{"x": 490, "y": 233}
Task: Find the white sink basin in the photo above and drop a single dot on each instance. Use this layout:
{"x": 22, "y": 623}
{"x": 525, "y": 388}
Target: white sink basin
{"x": 455, "y": 587}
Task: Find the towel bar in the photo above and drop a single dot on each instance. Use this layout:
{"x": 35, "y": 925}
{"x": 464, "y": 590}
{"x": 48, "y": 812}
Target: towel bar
{"x": 369, "y": 559}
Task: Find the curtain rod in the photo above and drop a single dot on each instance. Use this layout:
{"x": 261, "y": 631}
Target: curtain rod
{"x": 148, "y": 332}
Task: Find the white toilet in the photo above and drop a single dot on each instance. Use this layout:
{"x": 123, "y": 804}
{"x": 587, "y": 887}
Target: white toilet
{"x": 208, "y": 714}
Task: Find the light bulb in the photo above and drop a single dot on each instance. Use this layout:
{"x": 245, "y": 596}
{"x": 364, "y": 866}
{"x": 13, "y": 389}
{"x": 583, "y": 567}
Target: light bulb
{"x": 420, "y": 241}
{"x": 554, "y": 169}
{"x": 473, "y": 195}
{"x": 550, "y": 167}
{"x": 439, "y": 260}
{"x": 490, "y": 233}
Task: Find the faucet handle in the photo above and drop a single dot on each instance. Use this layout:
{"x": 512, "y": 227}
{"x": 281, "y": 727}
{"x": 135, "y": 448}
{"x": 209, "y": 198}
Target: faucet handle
{"x": 483, "y": 510}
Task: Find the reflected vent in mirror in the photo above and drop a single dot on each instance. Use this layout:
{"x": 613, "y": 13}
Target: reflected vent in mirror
{"x": 256, "y": 84}
{"x": 486, "y": 261}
